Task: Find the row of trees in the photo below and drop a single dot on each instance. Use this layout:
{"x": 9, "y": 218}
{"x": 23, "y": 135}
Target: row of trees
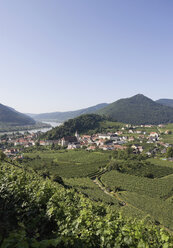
{"x": 169, "y": 153}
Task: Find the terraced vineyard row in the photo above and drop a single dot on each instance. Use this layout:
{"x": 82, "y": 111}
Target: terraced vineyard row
{"x": 68, "y": 163}
{"x": 159, "y": 187}
{"x": 40, "y": 213}
{"x": 142, "y": 196}
{"x": 147, "y": 195}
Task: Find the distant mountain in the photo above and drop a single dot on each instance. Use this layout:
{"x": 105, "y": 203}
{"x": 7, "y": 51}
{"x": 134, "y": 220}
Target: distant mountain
{"x": 11, "y": 117}
{"x": 166, "y": 102}
{"x": 138, "y": 109}
{"x": 64, "y": 116}
{"x": 31, "y": 115}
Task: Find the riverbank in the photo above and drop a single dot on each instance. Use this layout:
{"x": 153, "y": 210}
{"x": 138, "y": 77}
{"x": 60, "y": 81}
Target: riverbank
{"x": 39, "y": 126}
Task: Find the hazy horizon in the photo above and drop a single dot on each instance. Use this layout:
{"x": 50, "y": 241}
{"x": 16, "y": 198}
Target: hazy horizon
{"x": 85, "y": 106}
{"x": 67, "y": 55}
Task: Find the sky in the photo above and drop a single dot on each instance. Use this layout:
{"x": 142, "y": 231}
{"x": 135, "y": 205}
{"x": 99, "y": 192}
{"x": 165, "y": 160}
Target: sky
{"x": 61, "y": 55}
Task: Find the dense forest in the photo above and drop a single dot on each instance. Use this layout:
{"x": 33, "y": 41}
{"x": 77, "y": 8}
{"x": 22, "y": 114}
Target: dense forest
{"x": 138, "y": 110}
{"x": 166, "y": 102}
{"x": 82, "y": 124}
{"x": 9, "y": 116}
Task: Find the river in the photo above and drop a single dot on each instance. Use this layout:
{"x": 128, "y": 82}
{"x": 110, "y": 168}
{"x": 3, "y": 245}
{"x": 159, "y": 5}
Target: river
{"x": 45, "y": 129}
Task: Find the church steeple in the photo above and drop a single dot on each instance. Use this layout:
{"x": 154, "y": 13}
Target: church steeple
{"x": 77, "y": 135}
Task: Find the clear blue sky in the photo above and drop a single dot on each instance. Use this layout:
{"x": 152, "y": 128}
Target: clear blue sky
{"x": 62, "y": 55}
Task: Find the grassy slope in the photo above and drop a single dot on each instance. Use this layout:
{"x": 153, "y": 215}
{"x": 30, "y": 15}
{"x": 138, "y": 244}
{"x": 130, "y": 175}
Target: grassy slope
{"x": 167, "y": 138}
{"x": 161, "y": 162}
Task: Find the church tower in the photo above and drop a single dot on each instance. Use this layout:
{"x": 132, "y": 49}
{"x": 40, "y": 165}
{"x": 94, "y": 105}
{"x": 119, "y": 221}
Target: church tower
{"x": 77, "y": 136}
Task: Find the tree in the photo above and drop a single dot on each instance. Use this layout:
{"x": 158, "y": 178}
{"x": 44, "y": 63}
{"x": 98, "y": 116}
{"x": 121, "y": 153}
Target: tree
{"x": 52, "y": 146}
{"x": 37, "y": 144}
{"x": 45, "y": 174}
{"x": 2, "y": 156}
{"x": 57, "y": 179}
{"x": 169, "y": 153}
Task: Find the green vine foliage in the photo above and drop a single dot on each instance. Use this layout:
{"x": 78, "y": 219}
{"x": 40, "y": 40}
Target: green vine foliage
{"x": 40, "y": 213}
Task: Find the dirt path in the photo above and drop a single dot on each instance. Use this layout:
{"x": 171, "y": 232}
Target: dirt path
{"x": 101, "y": 187}
{"x": 124, "y": 203}
{"x": 112, "y": 194}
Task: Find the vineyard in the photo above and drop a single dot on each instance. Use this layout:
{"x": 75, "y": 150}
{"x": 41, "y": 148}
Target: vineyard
{"x": 159, "y": 188}
{"x": 67, "y": 163}
{"x": 164, "y": 163}
{"x": 35, "y": 212}
{"x": 146, "y": 168}
{"x": 167, "y": 138}
{"x": 91, "y": 190}
{"x": 138, "y": 196}
{"x": 86, "y": 199}
{"x": 148, "y": 195}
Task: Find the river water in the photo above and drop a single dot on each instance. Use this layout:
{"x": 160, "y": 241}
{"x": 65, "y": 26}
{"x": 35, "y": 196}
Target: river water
{"x": 45, "y": 129}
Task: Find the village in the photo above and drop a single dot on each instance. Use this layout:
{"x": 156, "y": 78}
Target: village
{"x": 137, "y": 137}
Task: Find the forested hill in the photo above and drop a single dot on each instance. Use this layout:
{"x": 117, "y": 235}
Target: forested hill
{"x": 11, "y": 117}
{"x": 64, "y": 116}
{"x": 82, "y": 124}
{"x": 166, "y": 102}
{"x": 138, "y": 109}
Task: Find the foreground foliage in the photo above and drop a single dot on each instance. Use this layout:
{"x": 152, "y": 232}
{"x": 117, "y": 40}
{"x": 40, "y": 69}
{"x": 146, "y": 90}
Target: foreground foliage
{"x": 39, "y": 213}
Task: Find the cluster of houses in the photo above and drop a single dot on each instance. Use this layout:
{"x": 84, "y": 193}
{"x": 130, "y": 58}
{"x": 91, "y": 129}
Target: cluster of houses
{"x": 11, "y": 144}
{"x": 112, "y": 141}
{"x": 106, "y": 141}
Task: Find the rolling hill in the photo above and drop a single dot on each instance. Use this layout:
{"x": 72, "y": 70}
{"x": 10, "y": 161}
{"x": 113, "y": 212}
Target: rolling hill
{"x": 64, "y": 116}
{"x": 138, "y": 109}
{"x": 10, "y": 117}
{"x": 82, "y": 124}
{"x": 166, "y": 102}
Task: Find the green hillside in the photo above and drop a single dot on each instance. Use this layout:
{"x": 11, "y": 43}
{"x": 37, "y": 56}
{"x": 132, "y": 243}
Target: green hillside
{"x": 166, "y": 102}
{"x": 90, "y": 123}
{"x": 82, "y": 124}
{"x": 11, "y": 117}
{"x": 37, "y": 212}
{"x": 138, "y": 110}
{"x": 64, "y": 116}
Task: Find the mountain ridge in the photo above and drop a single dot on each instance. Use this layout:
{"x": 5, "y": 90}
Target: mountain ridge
{"x": 138, "y": 109}
{"x": 11, "y": 117}
{"x": 64, "y": 116}
{"x": 165, "y": 102}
